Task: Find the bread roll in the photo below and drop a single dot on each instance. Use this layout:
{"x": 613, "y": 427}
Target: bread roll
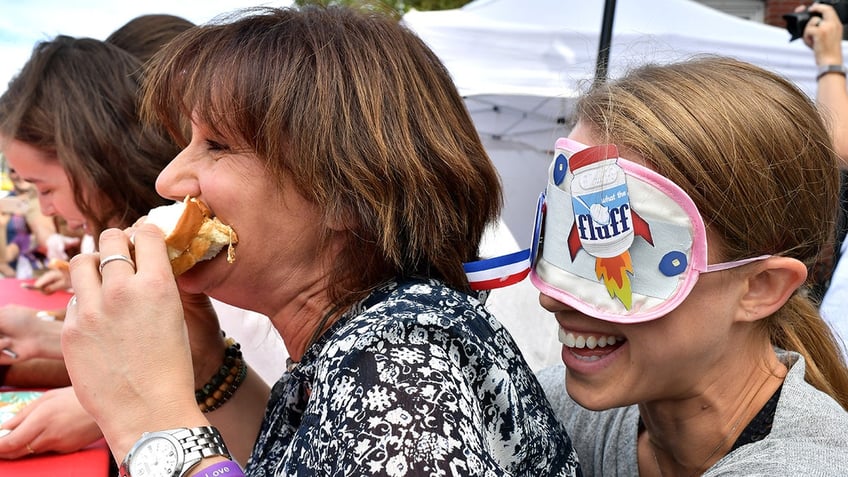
{"x": 191, "y": 234}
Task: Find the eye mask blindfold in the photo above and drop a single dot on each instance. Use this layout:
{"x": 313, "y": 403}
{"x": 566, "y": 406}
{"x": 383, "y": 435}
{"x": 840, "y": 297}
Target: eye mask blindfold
{"x": 612, "y": 239}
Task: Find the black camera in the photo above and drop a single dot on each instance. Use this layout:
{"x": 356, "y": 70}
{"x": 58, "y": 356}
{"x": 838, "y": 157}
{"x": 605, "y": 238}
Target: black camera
{"x": 796, "y": 22}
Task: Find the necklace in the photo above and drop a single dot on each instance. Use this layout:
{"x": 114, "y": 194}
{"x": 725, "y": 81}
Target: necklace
{"x": 721, "y": 442}
{"x": 656, "y": 461}
{"x": 290, "y": 364}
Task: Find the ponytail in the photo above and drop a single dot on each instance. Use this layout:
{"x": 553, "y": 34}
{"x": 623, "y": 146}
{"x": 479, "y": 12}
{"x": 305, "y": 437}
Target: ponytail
{"x": 799, "y": 327}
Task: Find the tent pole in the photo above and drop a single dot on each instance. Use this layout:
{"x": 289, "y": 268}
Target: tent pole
{"x": 605, "y": 42}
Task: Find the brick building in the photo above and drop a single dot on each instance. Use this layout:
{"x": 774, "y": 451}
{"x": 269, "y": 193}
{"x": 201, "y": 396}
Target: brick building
{"x": 766, "y": 11}
{"x": 775, "y": 9}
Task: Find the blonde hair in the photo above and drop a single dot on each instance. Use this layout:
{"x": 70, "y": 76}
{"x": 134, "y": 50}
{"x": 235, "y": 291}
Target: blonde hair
{"x": 753, "y": 153}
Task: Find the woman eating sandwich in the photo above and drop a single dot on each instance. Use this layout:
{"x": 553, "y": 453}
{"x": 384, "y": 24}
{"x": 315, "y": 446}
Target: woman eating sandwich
{"x": 336, "y": 146}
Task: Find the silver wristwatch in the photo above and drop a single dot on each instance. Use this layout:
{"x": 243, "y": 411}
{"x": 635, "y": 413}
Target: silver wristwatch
{"x": 172, "y": 453}
{"x": 828, "y": 69}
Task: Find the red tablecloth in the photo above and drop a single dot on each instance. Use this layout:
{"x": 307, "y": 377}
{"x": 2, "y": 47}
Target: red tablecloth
{"x": 92, "y": 461}
{"x": 12, "y": 292}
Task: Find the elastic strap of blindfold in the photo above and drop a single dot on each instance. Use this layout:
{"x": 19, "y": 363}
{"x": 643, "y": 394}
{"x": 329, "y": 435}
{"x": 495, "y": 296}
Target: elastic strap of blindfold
{"x": 717, "y": 267}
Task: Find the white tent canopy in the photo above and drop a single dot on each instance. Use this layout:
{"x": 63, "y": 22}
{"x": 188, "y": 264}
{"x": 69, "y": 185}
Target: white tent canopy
{"x": 520, "y": 63}
{"x": 548, "y": 47}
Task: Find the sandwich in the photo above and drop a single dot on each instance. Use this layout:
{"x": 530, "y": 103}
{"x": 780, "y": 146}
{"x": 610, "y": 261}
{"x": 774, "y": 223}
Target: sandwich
{"x": 192, "y": 234}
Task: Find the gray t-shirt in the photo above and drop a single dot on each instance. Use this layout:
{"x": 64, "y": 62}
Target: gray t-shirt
{"x": 809, "y": 435}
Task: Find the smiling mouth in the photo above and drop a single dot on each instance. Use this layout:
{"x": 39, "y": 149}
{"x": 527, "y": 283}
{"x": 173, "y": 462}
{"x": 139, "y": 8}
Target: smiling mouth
{"x": 589, "y": 341}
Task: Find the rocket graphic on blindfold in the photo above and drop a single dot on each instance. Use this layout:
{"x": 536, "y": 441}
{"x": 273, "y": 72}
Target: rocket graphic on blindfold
{"x": 605, "y": 224}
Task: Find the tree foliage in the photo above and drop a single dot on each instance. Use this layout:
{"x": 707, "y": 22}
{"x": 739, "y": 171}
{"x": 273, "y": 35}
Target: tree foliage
{"x": 393, "y": 7}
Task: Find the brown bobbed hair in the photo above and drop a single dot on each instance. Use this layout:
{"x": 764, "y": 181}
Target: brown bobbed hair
{"x": 753, "y": 153}
{"x": 359, "y": 114}
{"x": 145, "y": 35}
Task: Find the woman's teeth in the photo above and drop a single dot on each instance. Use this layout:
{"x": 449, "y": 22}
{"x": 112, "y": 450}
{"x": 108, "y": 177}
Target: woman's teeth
{"x": 579, "y": 341}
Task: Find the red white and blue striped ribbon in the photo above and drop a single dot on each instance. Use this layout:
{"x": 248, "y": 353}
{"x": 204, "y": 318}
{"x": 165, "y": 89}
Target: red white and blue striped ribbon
{"x": 499, "y": 271}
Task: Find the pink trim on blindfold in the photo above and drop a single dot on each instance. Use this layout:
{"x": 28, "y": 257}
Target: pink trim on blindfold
{"x": 572, "y": 284}
{"x": 665, "y": 250}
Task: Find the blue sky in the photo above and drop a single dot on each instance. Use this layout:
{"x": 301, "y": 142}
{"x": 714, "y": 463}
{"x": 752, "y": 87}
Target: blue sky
{"x": 25, "y": 22}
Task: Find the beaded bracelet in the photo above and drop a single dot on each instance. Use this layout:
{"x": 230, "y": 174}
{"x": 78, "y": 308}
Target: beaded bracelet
{"x": 227, "y": 468}
{"x": 225, "y": 382}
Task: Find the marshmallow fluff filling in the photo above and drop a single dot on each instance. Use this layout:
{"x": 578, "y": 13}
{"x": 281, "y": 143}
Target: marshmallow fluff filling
{"x": 166, "y": 217}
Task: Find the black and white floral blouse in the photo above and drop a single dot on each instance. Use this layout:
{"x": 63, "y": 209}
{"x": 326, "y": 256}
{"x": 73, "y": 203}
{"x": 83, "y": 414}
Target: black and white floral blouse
{"x": 418, "y": 379}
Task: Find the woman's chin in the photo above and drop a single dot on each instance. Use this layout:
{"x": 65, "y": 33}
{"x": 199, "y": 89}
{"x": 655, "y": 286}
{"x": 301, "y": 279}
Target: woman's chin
{"x": 591, "y": 398}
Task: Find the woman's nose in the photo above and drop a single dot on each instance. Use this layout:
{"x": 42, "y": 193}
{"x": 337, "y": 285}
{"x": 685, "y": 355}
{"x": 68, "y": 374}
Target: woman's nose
{"x": 178, "y": 180}
{"x": 553, "y": 305}
{"x": 46, "y": 206}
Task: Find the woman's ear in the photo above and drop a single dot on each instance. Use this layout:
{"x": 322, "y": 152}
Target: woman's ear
{"x": 770, "y": 284}
{"x": 340, "y": 221}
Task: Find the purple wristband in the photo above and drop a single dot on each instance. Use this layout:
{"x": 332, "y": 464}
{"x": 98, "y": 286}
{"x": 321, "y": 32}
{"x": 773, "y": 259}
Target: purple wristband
{"x": 227, "y": 468}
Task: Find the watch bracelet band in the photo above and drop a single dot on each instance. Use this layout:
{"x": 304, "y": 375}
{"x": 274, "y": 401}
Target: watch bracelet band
{"x": 828, "y": 69}
{"x": 197, "y": 443}
{"x": 201, "y": 442}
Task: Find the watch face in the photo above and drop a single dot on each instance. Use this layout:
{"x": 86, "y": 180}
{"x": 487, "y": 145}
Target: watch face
{"x": 156, "y": 457}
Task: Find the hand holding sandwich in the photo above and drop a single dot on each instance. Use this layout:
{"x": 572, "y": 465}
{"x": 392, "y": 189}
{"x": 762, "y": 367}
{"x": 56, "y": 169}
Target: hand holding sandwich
{"x": 153, "y": 360}
{"x": 158, "y": 337}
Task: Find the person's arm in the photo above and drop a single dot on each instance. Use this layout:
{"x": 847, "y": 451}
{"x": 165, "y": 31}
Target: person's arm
{"x": 5, "y": 254}
{"x": 53, "y": 280}
{"x": 37, "y": 373}
{"x": 150, "y": 385}
{"x": 824, "y": 36}
{"x": 833, "y": 102}
{"x": 33, "y": 353}
{"x": 55, "y": 422}
{"x": 239, "y": 418}
{"x": 29, "y": 333}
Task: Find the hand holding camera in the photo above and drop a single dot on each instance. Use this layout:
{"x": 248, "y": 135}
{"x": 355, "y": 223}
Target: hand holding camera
{"x": 823, "y": 32}
{"x": 817, "y": 13}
